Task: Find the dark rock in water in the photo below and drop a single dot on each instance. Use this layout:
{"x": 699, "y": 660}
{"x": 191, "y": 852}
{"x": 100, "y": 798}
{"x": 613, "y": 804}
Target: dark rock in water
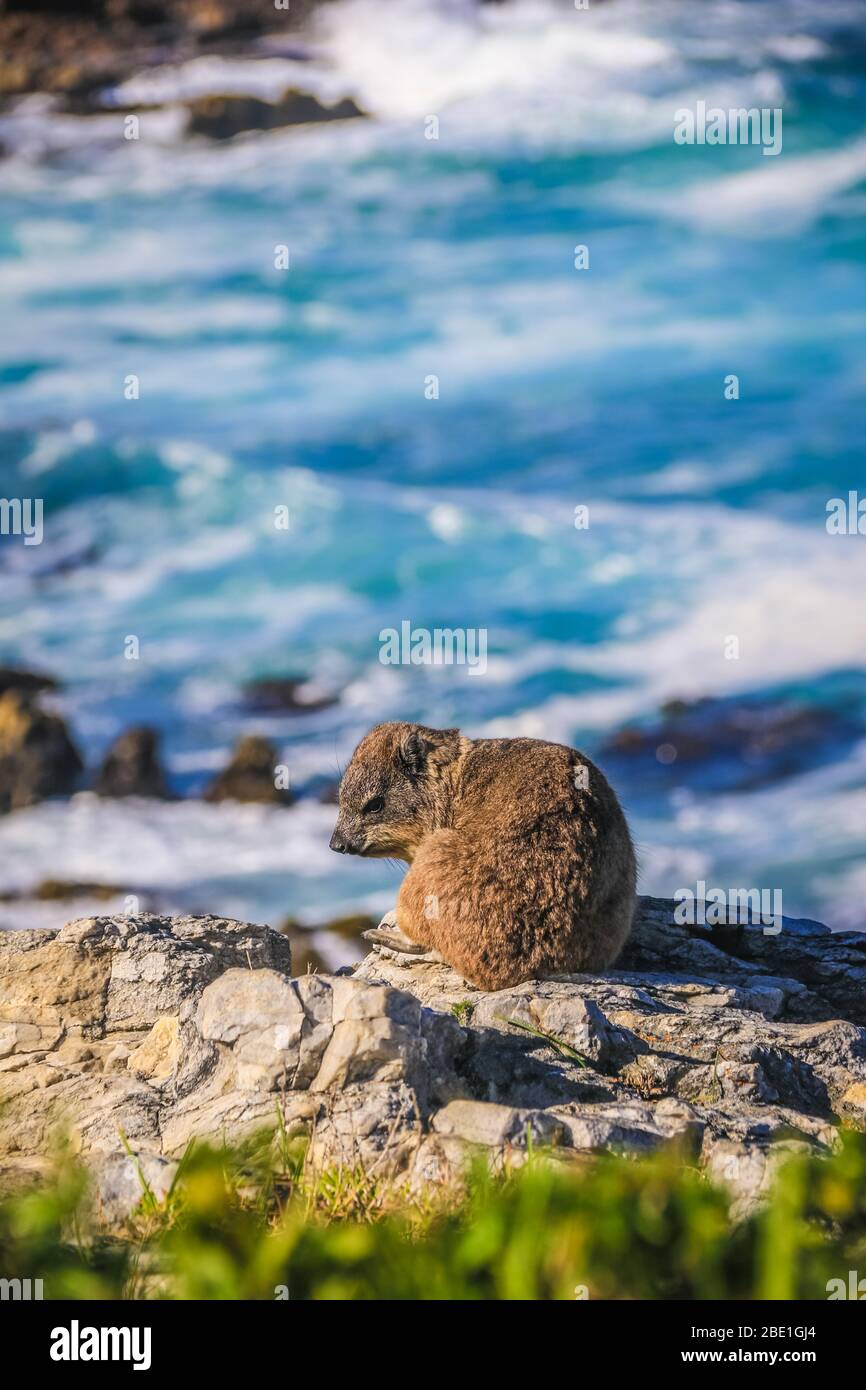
{"x": 131, "y": 766}
{"x": 221, "y": 117}
{"x": 30, "y": 682}
{"x": 53, "y": 890}
{"x": 306, "y": 959}
{"x": 37, "y": 756}
{"x": 52, "y": 52}
{"x": 351, "y": 928}
{"x": 731, "y": 745}
{"x": 144, "y": 12}
{"x": 76, "y": 49}
{"x": 250, "y": 775}
{"x": 63, "y": 559}
{"x": 283, "y": 695}
{"x": 217, "y": 23}
{"x": 58, "y": 890}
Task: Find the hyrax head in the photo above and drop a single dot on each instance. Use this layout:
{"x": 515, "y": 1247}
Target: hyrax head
{"x": 388, "y": 795}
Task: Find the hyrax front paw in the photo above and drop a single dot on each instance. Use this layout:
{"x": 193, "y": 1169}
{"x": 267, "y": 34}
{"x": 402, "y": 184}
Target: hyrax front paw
{"x": 388, "y": 934}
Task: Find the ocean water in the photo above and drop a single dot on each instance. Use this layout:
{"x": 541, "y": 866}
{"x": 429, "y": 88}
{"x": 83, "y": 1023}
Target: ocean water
{"x": 413, "y": 257}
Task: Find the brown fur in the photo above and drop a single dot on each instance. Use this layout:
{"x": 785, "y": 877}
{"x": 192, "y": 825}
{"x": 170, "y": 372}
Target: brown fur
{"x": 516, "y": 872}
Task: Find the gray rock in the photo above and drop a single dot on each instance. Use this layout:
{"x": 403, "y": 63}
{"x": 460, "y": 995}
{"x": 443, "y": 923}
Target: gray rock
{"x": 831, "y": 966}
{"x": 152, "y": 1031}
{"x": 635, "y": 1125}
{"x": 122, "y": 1182}
{"x": 376, "y": 1125}
{"x": 497, "y": 1126}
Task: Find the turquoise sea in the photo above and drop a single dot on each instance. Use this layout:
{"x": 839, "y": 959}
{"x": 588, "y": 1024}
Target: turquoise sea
{"x": 309, "y": 388}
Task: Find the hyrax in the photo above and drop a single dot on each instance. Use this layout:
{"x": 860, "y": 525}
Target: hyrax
{"x": 521, "y": 860}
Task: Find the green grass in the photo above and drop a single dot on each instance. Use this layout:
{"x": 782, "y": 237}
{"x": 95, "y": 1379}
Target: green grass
{"x": 463, "y": 1011}
{"x": 241, "y": 1222}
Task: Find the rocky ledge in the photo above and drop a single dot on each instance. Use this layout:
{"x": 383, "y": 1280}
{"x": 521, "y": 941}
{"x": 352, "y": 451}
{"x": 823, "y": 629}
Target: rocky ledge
{"x": 145, "y": 1032}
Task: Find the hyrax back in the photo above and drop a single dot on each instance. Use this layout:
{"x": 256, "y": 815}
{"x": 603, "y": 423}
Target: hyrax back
{"x": 521, "y": 860}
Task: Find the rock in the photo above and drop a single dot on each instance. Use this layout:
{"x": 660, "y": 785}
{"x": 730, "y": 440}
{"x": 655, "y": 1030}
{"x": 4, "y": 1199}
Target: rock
{"x": 496, "y": 1126}
{"x": 369, "y": 1049}
{"x": 747, "y": 1170}
{"x": 62, "y": 890}
{"x": 728, "y": 744}
{"x": 121, "y": 1182}
{"x": 215, "y": 20}
{"x": 80, "y": 48}
{"x": 630, "y": 1127}
{"x": 74, "y": 52}
{"x": 222, "y": 117}
{"x": 173, "y": 1029}
{"x": 59, "y": 890}
{"x": 821, "y": 973}
{"x": 306, "y": 959}
{"x": 97, "y": 1027}
{"x": 376, "y": 1126}
{"x": 28, "y": 682}
{"x": 131, "y": 766}
{"x": 37, "y": 756}
{"x": 158, "y": 1056}
{"x": 258, "y": 1016}
{"x": 250, "y": 775}
{"x": 574, "y": 1025}
{"x": 285, "y": 695}
{"x": 349, "y": 930}
{"x": 696, "y": 1040}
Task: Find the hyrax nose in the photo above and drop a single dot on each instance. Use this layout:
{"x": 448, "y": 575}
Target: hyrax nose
{"x": 338, "y": 843}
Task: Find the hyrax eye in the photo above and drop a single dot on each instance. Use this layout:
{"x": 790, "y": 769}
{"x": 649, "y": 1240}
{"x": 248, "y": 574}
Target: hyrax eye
{"x": 375, "y": 803}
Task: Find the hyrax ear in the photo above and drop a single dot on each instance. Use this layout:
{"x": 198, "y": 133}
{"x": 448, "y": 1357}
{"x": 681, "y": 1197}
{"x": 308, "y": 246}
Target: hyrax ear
{"x": 413, "y": 752}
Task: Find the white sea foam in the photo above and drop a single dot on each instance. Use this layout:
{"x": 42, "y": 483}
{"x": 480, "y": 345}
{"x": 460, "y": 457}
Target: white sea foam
{"x": 433, "y": 56}
{"x": 175, "y": 847}
{"x": 778, "y": 199}
{"x": 769, "y": 583}
{"x": 605, "y": 76}
{"x": 772, "y": 599}
{"x": 778, "y": 834}
{"x": 247, "y": 861}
